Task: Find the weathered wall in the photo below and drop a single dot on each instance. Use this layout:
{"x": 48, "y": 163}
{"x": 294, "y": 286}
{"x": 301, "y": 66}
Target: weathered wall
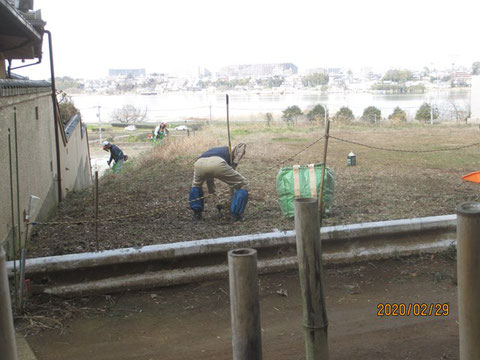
{"x": 76, "y": 173}
{"x": 28, "y": 159}
{"x": 25, "y": 145}
{"x": 475, "y": 98}
{"x": 3, "y": 73}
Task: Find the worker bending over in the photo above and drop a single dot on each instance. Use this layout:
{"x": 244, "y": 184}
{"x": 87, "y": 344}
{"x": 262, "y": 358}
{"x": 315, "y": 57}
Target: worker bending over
{"x": 116, "y": 155}
{"x": 160, "y": 131}
{"x": 216, "y": 164}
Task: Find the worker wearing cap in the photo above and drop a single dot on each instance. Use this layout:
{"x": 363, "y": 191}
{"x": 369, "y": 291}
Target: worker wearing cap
{"x": 216, "y": 163}
{"x": 115, "y": 154}
{"x": 163, "y": 128}
{"x": 160, "y": 131}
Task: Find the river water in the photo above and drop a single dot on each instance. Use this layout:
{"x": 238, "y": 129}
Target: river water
{"x": 252, "y": 106}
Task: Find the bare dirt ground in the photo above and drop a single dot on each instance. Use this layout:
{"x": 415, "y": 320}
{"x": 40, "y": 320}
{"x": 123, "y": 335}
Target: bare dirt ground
{"x": 148, "y": 202}
{"x": 193, "y": 322}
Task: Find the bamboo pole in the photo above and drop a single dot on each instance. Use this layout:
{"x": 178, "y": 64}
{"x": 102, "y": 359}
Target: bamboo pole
{"x": 96, "y": 209}
{"x": 324, "y": 166}
{"x": 228, "y": 129}
{"x": 244, "y": 305}
{"x": 23, "y": 257}
{"x": 309, "y": 252}
{"x": 468, "y": 269}
{"x": 8, "y": 349}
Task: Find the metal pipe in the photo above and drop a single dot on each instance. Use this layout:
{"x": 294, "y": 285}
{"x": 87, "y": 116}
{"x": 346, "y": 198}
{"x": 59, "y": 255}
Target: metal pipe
{"x": 244, "y": 305}
{"x": 55, "y": 115}
{"x": 8, "y": 348}
{"x": 468, "y": 269}
{"x": 322, "y": 176}
{"x": 19, "y": 231}
{"x": 27, "y": 65}
{"x": 14, "y": 245}
{"x": 309, "y": 252}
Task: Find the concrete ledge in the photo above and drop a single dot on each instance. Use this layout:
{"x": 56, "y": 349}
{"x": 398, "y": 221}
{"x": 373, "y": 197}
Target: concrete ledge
{"x": 24, "y": 351}
{"x": 201, "y": 247}
{"x": 168, "y": 264}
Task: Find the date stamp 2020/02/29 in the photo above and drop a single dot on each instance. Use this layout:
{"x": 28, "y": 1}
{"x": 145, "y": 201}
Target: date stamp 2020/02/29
{"x": 413, "y": 309}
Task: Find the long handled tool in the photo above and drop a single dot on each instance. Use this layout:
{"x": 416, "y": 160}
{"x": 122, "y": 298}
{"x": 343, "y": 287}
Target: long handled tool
{"x": 228, "y": 129}
{"x": 324, "y": 166}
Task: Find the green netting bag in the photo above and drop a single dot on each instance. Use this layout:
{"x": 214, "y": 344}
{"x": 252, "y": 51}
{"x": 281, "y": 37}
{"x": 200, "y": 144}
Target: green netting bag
{"x": 294, "y": 181}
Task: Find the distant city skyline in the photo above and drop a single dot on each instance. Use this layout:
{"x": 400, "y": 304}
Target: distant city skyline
{"x": 91, "y": 37}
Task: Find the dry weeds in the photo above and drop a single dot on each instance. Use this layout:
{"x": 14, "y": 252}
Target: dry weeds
{"x": 384, "y": 185}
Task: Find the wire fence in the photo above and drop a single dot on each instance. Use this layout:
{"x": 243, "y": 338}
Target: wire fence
{"x": 278, "y": 164}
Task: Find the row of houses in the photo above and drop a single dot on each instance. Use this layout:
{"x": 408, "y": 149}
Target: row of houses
{"x": 260, "y": 77}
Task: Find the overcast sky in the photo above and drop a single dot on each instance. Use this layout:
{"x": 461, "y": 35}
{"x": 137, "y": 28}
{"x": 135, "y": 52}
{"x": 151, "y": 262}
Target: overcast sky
{"x": 91, "y": 36}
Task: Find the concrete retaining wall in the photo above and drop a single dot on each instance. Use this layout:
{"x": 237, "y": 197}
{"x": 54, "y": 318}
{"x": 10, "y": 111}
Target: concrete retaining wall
{"x": 177, "y": 263}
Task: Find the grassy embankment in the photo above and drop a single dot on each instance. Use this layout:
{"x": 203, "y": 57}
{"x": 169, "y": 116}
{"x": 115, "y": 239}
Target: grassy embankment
{"x": 384, "y": 185}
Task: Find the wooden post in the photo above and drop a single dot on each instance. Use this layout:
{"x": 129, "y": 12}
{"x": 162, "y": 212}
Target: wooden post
{"x": 468, "y": 268}
{"x": 244, "y": 305}
{"x": 96, "y": 208}
{"x": 324, "y": 166}
{"x": 309, "y": 252}
{"x": 8, "y": 348}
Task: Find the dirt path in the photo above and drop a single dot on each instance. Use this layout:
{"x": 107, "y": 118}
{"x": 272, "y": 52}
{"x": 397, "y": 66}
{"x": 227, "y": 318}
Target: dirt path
{"x": 193, "y": 322}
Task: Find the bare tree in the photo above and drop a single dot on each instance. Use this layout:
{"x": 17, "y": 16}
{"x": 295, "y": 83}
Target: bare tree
{"x": 462, "y": 111}
{"x": 129, "y": 114}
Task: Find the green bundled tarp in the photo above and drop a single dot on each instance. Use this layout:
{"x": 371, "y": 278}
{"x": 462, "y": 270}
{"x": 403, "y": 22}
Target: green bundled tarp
{"x": 303, "y": 181}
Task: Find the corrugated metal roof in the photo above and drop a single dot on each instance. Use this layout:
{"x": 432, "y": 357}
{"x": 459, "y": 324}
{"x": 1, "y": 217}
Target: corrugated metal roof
{"x": 19, "y": 39}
